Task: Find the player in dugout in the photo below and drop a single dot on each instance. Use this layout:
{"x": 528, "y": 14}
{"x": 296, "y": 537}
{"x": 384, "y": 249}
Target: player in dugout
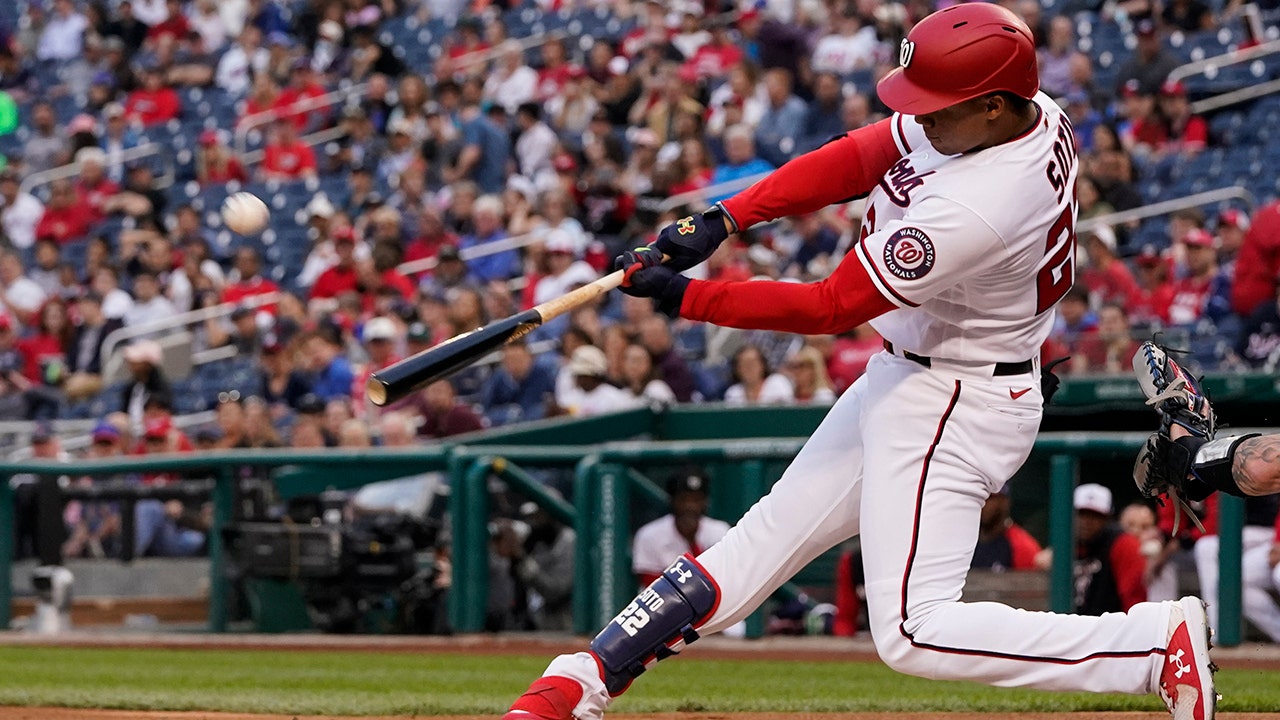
{"x": 966, "y": 245}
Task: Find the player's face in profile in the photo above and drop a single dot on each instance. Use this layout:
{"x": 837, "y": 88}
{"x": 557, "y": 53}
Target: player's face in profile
{"x": 958, "y": 128}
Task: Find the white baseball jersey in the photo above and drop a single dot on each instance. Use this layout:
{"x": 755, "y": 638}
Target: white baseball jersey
{"x": 658, "y": 543}
{"x": 975, "y": 249}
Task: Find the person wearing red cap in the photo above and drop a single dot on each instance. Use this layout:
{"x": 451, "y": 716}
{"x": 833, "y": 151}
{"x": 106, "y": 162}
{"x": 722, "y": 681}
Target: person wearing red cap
{"x": 1155, "y": 289}
{"x": 1205, "y": 292}
{"x": 1186, "y": 133}
{"x": 342, "y": 277}
{"x": 215, "y": 163}
{"x": 966, "y": 247}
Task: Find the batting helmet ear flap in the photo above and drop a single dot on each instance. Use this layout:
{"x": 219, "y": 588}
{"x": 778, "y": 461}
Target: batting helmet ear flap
{"x": 960, "y": 53}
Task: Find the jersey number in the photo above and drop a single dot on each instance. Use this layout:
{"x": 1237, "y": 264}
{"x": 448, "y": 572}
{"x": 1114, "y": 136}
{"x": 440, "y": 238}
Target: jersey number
{"x": 1058, "y": 274}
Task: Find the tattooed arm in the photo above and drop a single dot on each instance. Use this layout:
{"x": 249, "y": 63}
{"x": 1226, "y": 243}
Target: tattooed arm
{"x": 1256, "y": 465}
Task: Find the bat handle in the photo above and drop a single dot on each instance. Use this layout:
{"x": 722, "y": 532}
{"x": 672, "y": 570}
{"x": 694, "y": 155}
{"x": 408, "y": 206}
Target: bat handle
{"x": 571, "y": 300}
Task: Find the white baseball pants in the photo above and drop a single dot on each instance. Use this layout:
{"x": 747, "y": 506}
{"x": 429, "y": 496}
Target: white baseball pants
{"x": 906, "y": 458}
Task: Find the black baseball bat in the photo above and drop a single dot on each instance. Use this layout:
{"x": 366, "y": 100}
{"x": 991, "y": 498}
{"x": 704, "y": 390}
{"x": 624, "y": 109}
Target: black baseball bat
{"x": 396, "y": 381}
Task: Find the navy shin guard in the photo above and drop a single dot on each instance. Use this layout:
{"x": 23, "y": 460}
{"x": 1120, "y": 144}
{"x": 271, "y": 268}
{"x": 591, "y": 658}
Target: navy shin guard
{"x": 657, "y": 624}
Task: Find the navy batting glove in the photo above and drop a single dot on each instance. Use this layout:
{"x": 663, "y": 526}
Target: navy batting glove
{"x": 637, "y": 259}
{"x": 660, "y": 282}
{"x": 688, "y": 241}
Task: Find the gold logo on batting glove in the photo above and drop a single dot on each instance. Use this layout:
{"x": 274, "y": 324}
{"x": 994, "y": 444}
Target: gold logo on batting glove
{"x": 685, "y": 226}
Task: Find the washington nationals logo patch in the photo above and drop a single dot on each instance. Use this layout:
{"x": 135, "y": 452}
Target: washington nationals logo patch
{"x": 909, "y": 254}
{"x": 905, "y": 51}
{"x": 685, "y": 226}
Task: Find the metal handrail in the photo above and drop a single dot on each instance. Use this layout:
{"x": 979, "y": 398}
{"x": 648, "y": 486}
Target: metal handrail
{"x": 527, "y": 43}
{"x": 1231, "y": 57}
{"x": 116, "y": 337}
{"x": 75, "y": 434}
{"x": 72, "y": 169}
{"x": 1235, "y": 96}
{"x": 514, "y": 242}
{"x": 302, "y": 106}
{"x": 1234, "y": 192}
{"x": 319, "y": 137}
{"x": 701, "y": 194}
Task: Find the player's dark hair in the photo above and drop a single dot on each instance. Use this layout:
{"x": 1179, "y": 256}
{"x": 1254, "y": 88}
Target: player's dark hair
{"x": 1016, "y": 103}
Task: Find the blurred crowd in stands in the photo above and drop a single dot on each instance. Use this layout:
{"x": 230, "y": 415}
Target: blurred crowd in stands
{"x": 421, "y": 188}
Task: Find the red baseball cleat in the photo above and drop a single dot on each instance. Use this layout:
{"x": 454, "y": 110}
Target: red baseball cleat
{"x": 548, "y": 698}
{"x": 1186, "y": 681}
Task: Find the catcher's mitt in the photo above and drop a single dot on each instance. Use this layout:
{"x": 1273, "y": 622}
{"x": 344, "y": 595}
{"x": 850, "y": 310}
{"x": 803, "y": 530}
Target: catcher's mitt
{"x": 1163, "y": 466}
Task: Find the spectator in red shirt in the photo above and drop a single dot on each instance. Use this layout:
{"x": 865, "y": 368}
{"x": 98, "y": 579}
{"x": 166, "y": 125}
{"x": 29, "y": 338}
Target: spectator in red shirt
{"x": 215, "y": 163}
{"x": 1187, "y": 134}
{"x": 717, "y": 57}
{"x": 286, "y": 157}
{"x": 263, "y": 96}
{"x": 95, "y": 189}
{"x": 1143, "y": 130}
{"x": 303, "y": 87}
{"x": 555, "y": 71}
{"x": 465, "y": 53}
{"x": 250, "y": 282}
{"x": 1108, "y": 279}
{"x": 44, "y": 353}
{"x": 65, "y": 218}
{"x": 1258, "y": 266}
{"x": 1111, "y": 349}
{"x": 1154, "y": 288}
{"x": 173, "y": 28}
{"x": 1204, "y": 292}
{"x": 342, "y": 277}
{"x": 152, "y": 102}
{"x": 432, "y": 237}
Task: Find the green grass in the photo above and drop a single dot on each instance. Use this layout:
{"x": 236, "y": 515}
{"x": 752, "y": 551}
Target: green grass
{"x": 408, "y": 684}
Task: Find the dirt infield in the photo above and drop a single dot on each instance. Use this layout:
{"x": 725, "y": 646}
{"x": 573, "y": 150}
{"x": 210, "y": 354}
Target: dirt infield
{"x": 8, "y": 713}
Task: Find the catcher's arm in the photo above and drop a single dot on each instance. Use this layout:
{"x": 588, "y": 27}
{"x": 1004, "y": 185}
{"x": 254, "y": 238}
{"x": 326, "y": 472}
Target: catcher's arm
{"x": 1183, "y": 459}
{"x": 1255, "y": 463}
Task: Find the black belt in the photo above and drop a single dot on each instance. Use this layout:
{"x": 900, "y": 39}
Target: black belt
{"x": 1002, "y": 368}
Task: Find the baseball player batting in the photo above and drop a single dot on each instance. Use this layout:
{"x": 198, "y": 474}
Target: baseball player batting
{"x": 966, "y": 245}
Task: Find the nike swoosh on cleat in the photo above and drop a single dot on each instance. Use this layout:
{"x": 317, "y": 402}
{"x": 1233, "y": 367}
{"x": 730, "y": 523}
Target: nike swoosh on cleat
{"x": 1015, "y": 394}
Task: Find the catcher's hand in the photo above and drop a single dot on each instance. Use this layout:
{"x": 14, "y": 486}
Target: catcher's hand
{"x": 1163, "y": 465}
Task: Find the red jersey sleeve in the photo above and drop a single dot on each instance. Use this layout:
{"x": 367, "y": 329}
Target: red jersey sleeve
{"x": 1025, "y": 548}
{"x": 841, "y": 302}
{"x": 841, "y": 169}
{"x": 1129, "y": 566}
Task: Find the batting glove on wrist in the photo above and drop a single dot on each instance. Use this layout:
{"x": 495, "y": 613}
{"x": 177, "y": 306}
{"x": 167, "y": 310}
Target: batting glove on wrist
{"x": 660, "y": 282}
{"x": 691, "y": 240}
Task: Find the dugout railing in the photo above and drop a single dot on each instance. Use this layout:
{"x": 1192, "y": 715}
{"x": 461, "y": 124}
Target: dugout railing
{"x": 613, "y": 462}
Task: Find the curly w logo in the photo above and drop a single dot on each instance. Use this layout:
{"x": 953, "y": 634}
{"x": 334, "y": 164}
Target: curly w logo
{"x": 905, "y": 51}
{"x": 685, "y": 226}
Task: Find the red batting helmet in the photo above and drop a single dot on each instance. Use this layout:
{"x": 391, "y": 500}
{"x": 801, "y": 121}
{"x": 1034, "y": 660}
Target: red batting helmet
{"x": 960, "y": 53}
